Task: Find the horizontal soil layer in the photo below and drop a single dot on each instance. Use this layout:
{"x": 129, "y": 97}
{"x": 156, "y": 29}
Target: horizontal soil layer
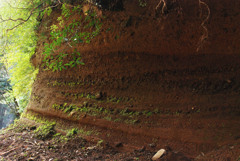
{"x": 187, "y": 103}
{"x": 164, "y": 76}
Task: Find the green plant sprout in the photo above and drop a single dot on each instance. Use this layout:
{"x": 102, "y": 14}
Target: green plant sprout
{"x": 142, "y": 3}
{"x": 78, "y": 31}
{"x": 72, "y": 132}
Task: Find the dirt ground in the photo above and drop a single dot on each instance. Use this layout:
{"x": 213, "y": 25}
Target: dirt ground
{"x": 155, "y": 77}
{"x": 20, "y": 143}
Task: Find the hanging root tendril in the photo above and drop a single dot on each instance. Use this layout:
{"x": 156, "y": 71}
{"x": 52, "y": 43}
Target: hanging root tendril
{"x": 205, "y": 30}
{"x": 163, "y": 7}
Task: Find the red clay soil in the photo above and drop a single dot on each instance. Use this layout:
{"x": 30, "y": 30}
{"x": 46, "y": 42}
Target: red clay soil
{"x": 165, "y": 76}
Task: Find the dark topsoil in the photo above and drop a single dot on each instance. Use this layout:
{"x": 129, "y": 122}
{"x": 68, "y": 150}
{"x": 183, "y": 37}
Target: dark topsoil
{"x": 168, "y": 77}
{"x": 20, "y": 143}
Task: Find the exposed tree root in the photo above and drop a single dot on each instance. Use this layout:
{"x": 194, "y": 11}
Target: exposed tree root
{"x": 203, "y": 24}
{"x": 164, "y": 6}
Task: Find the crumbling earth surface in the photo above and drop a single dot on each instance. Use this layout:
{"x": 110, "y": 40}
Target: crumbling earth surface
{"x": 157, "y": 76}
{"x": 19, "y": 142}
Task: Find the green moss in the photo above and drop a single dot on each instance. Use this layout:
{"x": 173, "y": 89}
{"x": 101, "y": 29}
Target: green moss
{"x": 58, "y": 137}
{"x": 108, "y": 118}
{"x": 65, "y": 107}
{"x": 142, "y": 3}
{"x": 131, "y": 121}
{"x": 18, "y": 126}
{"x": 45, "y": 131}
{"x": 100, "y": 143}
{"x": 117, "y": 120}
{"x": 72, "y": 132}
{"x": 38, "y": 119}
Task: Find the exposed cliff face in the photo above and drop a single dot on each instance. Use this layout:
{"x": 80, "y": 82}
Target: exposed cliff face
{"x": 168, "y": 75}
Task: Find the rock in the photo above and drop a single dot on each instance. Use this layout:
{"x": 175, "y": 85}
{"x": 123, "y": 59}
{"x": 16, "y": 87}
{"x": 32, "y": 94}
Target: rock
{"x": 159, "y": 154}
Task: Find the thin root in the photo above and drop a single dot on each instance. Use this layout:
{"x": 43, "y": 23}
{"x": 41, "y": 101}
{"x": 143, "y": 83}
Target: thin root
{"x": 163, "y": 7}
{"x": 205, "y": 30}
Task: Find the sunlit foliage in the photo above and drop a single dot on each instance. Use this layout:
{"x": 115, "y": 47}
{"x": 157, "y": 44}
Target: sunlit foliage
{"x": 17, "y": 44}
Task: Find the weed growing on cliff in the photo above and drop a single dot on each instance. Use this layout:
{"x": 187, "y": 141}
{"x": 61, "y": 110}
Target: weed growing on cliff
{"x": 66, "y": 11}
{"x": 36, "y": 118}
{"x": 57, "y": 62}
{"x": 78, "y": 31}
{"x": 72, "y": 132}
{"x": 142, "y": 3}
{"x": 59, "y": 138}
{"x": 108, "y": 118}
{"x": 45, "y": 131}
{"x": 64, "y": 107}
{"x": 100, "y": 143}
{"x": 126, "y": 115}
{"x": 131, "y": 121}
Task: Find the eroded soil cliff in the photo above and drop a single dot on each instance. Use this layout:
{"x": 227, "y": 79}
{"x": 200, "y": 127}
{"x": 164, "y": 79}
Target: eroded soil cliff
{"x": 162, "y": 75}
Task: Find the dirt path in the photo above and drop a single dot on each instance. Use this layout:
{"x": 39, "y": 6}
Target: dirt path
{"x": 20, "y": 143}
